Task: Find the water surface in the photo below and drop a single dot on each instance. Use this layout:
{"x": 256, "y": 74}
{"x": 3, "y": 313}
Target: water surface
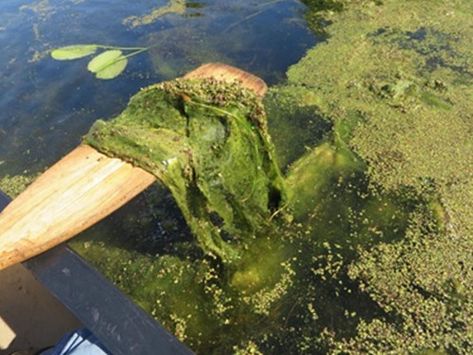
{"x": 46, "y": 106}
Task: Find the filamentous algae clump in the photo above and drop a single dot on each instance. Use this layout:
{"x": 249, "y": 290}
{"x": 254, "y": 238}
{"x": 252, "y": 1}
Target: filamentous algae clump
{"x": 207, "y": 141}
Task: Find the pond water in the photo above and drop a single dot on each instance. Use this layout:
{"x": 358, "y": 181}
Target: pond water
{"x": 47, "y": 105}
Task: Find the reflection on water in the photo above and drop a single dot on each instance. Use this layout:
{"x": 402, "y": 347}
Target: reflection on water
{"x": 46, "y": 106}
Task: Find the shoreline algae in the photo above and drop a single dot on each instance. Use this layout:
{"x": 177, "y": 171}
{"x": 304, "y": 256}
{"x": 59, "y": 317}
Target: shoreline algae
{"x": 371, "y": 252}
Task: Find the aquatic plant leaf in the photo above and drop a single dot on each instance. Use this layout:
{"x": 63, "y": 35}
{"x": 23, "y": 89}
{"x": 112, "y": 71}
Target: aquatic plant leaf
{"x": 74, "y": 51}
{"x": 113, "y": 70}
{"x": 108, "y": 65}
{"x": 103, "y": 59}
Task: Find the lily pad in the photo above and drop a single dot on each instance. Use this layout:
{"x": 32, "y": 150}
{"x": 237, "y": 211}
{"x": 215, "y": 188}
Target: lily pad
{"x": 108, "y": 65}
{"x": 74, "y": 52}
{"x": 113, "y": 70}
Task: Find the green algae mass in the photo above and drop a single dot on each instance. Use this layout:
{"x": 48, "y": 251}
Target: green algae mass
{"x": 208, "y": 143}
{"x": 363, "y": 244}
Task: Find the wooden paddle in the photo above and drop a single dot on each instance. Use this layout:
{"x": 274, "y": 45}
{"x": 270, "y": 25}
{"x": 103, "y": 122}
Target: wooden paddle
{"x": 82, "y": 188}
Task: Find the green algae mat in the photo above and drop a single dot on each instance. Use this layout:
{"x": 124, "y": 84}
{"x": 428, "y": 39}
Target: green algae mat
{"x": 333, "y": 217}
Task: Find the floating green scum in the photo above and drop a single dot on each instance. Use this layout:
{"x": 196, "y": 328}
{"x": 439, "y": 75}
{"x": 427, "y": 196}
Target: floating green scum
{"x": 338, "y": 222}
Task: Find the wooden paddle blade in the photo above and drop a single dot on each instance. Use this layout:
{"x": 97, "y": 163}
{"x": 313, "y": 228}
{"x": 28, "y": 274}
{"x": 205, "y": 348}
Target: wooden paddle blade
{"x": 83, "y": 188}
{"x": 228, "y": 73}
{"x": 75, "y": 193}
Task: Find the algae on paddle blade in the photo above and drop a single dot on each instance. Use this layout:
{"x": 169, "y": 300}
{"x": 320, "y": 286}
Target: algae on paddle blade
{"x": 207, "y": 141}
